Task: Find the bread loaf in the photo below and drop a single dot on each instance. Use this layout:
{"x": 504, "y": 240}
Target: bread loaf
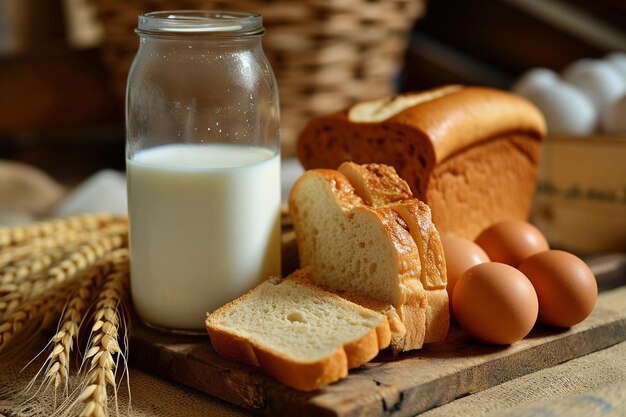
{"x": 470, "y": 153}
{"x": 360, "y": 231}
{"x": 301, "y": 334}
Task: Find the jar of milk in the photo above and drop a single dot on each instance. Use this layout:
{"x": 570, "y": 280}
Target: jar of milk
{"x": 203, "y": 165}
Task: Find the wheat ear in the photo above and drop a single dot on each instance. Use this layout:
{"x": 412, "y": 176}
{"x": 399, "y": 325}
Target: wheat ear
{"x": 12, "y": 255}
{"x": 27, "y": 268}
{"x": 14, "y": 235}
{"x": 103, "y": 341}
{"x": 58, "y": 367}
{"x": 85, "y": 256}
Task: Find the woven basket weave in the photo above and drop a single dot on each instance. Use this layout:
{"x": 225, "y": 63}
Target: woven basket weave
{"x": 327, "y": 54}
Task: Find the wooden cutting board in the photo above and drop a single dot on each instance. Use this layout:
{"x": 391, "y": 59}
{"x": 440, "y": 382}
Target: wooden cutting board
{"x": 412, "y": 383}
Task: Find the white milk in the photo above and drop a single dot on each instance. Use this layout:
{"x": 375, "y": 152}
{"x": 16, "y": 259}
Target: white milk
{"x": 205, "y": 228}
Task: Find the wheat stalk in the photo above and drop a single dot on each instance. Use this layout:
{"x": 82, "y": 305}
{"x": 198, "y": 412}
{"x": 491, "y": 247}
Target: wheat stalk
{"x": 12, "y": 255}
{"x": 85, "y": 256}
{"x": 10, "y": 236}
{"x": 43, "y": 263}
{"x": 104, "y": 340}
{"x": 63, "y": 341}
{"x": 38, "y": 312}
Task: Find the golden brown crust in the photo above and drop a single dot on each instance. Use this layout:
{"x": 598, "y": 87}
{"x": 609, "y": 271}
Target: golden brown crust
{"x": 376, "y": 184}
{"x": 362, "y": 350}
{"x": 383, "y": 332}
{"x": 469, "y": 116}
{"x": 232, "y": 347}
{"x": 396, "y": 230}
{"x": 304, "y": 376}
{"x": 379, "y": 110}
{"x": 339, "y": 184}
{"x": 425, "y": 234}
{"x": 452, "y": 122}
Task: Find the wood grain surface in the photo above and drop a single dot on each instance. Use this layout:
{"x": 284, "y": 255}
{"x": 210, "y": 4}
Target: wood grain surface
{"x": 405, "y": 386}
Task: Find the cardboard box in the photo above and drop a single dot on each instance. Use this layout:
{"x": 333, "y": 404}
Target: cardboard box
{"x": 580, "y": 202}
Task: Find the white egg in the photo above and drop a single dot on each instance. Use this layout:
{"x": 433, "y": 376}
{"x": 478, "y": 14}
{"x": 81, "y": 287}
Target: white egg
{"x": 599, "y": 80}
{"x": 614, "y": 119}
{"x": 534, "y": 79}
{"x": 566, "y": 109}
{"x": 618, "y": 60}
{"x": 574, "y": 69}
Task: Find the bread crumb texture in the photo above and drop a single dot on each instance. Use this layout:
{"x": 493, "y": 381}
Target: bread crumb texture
{"x": 346, "y": 245}
{"x": 296, "y": 320}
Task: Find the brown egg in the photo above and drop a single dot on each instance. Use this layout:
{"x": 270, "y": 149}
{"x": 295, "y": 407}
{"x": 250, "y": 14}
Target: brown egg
{"x": 495, "y": 303}
{"x": 461, "y": 254}
{"x": 566, "y": 287}
{"x": 511, "y": 241}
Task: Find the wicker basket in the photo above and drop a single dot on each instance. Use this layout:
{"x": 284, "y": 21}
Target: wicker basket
{"x": 327, "y": 54}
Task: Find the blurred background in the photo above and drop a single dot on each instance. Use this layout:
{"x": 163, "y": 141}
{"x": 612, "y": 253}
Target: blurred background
{"x": 63, "y": 63}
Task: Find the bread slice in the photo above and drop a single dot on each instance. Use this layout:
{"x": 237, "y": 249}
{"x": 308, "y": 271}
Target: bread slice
{"x": 302, "y": 335}
{"x": 470, "y": 153}
{"x": 379, "y": 185}
{"x": 361, "y": 232}
{"x": 433, "y": 276}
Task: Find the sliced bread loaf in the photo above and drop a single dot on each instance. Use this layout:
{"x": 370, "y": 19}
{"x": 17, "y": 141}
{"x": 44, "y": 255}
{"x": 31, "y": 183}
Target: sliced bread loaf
{"x": 360, "y": 231}
{"x": 302, "y": 335}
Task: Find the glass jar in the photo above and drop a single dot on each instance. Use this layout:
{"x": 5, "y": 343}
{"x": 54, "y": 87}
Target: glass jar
{"x": 203, "y": 165}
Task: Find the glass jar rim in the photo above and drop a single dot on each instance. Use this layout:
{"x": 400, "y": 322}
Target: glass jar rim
{"x": 215, "y": 22}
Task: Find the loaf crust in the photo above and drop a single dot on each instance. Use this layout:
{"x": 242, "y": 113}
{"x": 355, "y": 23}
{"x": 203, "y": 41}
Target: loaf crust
{"x": 428, "y": 143}
{"x": 305, "y": 376}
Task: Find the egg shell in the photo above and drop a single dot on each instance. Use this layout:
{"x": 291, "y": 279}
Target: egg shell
{"x": 534, "y": 80}
{"x": 618, "y": 60}
{"x": 614, "y": 119}
{"x": 575, "y": 68}
{"x": 566, "y": 109}
{"x": 600, "y": 81}
{"x": 461, "y": 254}
{"x": 565, "y": 286}
{"x": 495, "y": 303}
{"x": 511, "y": 241}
